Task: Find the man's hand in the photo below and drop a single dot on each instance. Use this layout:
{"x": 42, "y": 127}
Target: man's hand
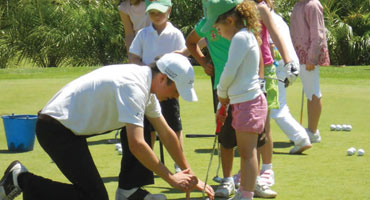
{"x": 208, "y": 189}
{"x": 184, "y": 180}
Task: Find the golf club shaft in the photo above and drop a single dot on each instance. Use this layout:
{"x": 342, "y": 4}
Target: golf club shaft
{"x": 302, "y": 103}
{"x": 275, "y": 79}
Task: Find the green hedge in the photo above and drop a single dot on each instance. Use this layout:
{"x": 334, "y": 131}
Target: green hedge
{"x": 52, "y": 33}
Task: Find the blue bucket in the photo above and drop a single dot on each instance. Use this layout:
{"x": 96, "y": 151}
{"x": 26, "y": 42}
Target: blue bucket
{"x": 20, "y": 132}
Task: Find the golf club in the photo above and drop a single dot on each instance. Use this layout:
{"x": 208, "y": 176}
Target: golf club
{"x": 302, "y": 103}
{"x": 217, "y": 178}
{"x": 275, "y": 79}
{"x": 218, "y": 129}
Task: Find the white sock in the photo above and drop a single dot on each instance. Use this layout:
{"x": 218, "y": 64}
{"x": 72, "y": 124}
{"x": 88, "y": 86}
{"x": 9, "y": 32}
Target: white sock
{"x": 266, "y": 167}
{"x": 229, "y": 179}
{"x": 129, "y": 192}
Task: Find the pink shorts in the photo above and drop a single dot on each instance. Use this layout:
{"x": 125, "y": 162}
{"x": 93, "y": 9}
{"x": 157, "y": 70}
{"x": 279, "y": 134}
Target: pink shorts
{"x": 250, "y": 116}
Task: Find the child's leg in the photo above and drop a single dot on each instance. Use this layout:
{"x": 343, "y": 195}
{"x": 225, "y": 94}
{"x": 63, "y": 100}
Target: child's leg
{"x": 314, "y": 108}
{"x": 266, "y": 150}
{"x": 311, "y": 86}
{"x": 247, "y": 147}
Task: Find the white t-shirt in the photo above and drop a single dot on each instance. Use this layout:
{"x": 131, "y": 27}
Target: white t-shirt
{"x": 138, "y": 16}
{"x": 147, "y": 44}
{"x": 239, "y": 80}
{"x": 105, "y": 99}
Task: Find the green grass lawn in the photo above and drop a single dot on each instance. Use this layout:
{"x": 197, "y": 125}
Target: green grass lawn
{"x": 323, "y": 172}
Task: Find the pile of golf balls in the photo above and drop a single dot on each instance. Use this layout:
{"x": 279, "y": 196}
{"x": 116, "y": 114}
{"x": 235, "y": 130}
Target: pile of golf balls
{"x": 119, "y": 148}
{"x": 352, "y": 151}
{"x": 338, "y": 127}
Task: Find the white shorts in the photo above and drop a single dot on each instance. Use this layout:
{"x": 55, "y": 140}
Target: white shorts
{"x": 311, "y": 82}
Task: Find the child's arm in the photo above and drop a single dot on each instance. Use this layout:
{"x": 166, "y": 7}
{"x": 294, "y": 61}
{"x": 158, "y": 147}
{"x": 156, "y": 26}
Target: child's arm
{"x": 132, "y": 58}
{"x": 238, "y": 50}
{"x": 129, "y": 29}
{"x": 273, "y": 31}
{"x": 193, "y": 42}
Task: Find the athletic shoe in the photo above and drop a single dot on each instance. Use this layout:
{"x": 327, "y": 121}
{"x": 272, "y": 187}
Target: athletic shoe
{"x": 264, "y": 191}
{"x": 226, "y": 189}
{"x": 177, "y": 168}
{"x": 301, "y": 146}
{"x": 238, "y": 196}
{"x": 9, "y": 187}
{"x": 236, "y": 178}
{"x": 140, "y": 194}
{"x": 267, "y": 177}
{"x": 314, "y": 137}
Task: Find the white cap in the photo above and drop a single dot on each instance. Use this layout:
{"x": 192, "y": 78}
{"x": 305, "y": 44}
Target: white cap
{"x": 178, "y": 68}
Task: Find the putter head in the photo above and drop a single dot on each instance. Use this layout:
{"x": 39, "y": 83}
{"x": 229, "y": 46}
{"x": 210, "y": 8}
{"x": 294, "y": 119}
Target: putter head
{"x": 217, "y": 179}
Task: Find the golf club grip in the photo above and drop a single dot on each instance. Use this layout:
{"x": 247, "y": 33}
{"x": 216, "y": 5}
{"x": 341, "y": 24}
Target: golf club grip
{"x": 219, "y": 124}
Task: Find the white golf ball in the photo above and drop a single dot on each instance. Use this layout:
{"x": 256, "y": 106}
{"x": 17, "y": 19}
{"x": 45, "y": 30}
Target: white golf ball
{"x": 349, "y": 127}
{"x": 351, "y": 151}
{"x": 360, "y": 152}
{"x": 333, "y": 127}
{"x": 119, "y": 151}
{"x": 338, "y": 127}
{"x": 118, "y": 146}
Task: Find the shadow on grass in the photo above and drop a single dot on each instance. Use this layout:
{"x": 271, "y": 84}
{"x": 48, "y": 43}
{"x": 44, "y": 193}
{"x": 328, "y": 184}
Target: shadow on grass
{"x": 10, "y": 152}
{"x": 208, "y": 151}
{"x": 282, "y": 144}
{"x": 110, "y": 179}
{"x": 288, "y": 154}
{"x": 103, "y": 141}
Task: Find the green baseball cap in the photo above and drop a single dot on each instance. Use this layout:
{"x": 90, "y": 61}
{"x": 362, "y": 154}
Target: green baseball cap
{"x": 215, "y": 8}
{"x": 161, "y": 5}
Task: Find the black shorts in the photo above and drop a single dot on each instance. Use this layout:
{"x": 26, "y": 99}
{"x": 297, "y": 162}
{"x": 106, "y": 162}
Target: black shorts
{"x": 171, "y": 112}
{"x": 227, "y": 137}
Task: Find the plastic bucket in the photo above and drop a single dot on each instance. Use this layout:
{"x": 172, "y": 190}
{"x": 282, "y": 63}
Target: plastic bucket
{"x": 20, "y": 132}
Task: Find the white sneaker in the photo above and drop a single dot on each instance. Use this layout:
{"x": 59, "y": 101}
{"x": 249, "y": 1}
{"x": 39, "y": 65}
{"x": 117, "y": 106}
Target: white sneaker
{"x": 314, "y": 137}
{"x": 177, "y": 168}
{"x": 226, "y": 189}
{"x": 236, "y": 178}
{"x": 264, "y": 191}
{"x": 9, "y": 187}
{"x": 267, "y": 177}
{"x": 301, "y": 146}
{"x": 139, "y": 194}
{"x": 238, "y": 196}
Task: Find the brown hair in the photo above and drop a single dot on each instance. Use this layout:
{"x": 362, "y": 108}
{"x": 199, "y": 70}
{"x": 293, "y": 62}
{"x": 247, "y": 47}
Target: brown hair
{"x": 247, "y": 16}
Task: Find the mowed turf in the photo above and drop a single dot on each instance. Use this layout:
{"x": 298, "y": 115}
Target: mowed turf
{"x": 323, "y": 172}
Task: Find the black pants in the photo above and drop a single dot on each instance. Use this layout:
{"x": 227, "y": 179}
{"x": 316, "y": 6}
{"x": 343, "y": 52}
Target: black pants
{"x": 133, "y": 173}
{"x": 72, "y": 156}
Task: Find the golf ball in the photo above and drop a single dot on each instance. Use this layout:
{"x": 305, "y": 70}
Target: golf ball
{"x": 119, "y": 151}
{"x": 118, "y": 146}
{"x": 349, "y": 128}
{"x": 360, "y": 152}
{"x": 338, "y": 127}
{"x": 351, "y": 151}
{"x": 333, "y": 127}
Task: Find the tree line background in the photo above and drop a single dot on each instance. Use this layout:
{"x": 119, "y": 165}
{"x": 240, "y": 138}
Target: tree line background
{"x": 54, "y": 33}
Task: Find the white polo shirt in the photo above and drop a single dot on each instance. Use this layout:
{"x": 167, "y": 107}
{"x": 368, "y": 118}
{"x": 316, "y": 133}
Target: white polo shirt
{"x": 147, "y": 44}
{"x": 105, "y": 99}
